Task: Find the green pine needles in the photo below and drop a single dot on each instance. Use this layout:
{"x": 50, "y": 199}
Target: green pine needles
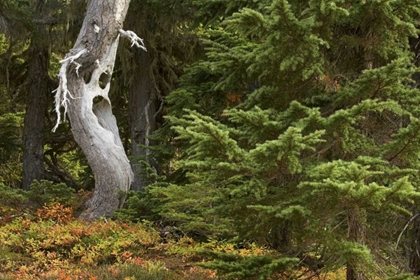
{"x": 300, "y": 130}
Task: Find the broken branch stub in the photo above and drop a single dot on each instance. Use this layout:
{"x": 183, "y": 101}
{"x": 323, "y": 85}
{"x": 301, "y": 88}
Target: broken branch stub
{"x": 135, "y": 40}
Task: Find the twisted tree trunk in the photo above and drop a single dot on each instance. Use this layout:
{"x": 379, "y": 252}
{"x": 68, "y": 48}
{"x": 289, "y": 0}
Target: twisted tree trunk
{"x": 85, "y": 74}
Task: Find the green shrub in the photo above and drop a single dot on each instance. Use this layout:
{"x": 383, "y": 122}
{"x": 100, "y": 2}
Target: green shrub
{"x": 46, "y": 192}
{"x": 12, "y": 197}
{"x": 12, "y": 203}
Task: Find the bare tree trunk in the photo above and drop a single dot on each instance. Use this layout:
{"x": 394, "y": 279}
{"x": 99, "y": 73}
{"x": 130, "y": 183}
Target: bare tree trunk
{"x": 142, "y": 110}
{"x": 33, "y": 130}
{"x": 356, "y": 219}
{"x": 86, "y": 74}
{"x": 36, "y": 104}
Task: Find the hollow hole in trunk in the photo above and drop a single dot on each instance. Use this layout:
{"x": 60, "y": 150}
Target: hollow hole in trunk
{"x": 103, "y": 80}
{"x": 97, "y": 99}
{"x": 87, "y": 77}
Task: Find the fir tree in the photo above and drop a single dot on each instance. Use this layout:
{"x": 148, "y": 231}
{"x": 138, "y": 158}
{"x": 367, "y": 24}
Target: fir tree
{"x": 301, "y": 132}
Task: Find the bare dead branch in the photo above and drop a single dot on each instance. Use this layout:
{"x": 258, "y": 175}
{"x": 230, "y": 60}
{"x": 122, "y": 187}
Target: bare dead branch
{"x": 135, "y": 40}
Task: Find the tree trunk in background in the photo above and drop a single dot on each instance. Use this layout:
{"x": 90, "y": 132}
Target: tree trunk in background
{"x": 36, "y": 104}
{"x": 356, "y": 221}
{"x": 356, "y": 217}
{"x": 415, "y": 248}
{"x": 142, "y": 110}
{"x": 94, "y": 126}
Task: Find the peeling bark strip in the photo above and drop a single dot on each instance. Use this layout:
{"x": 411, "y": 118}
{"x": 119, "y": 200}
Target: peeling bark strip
{"x": 86, "y": 73}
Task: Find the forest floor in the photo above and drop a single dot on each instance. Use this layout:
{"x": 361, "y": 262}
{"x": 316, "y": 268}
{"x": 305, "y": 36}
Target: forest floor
{"x": 52, "y": 244}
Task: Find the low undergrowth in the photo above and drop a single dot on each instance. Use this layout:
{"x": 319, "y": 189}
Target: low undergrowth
{"x": 53, "y": 245}
{"x": 48, "y": 242}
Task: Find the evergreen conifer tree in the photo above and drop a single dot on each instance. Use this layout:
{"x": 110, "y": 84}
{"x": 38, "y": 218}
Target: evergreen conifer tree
{"x": 300, "y": 129}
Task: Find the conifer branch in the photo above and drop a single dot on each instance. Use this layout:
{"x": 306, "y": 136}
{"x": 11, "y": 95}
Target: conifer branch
{"x": 406, "y": 145}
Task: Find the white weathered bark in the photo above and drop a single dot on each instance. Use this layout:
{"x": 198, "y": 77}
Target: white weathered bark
{"x": 85, "y": 74}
